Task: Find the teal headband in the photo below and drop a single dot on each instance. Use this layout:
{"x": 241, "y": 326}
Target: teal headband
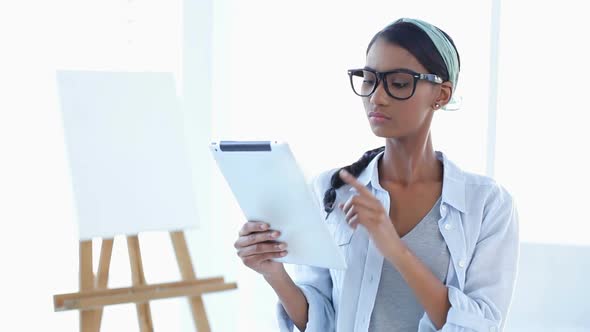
{"x": 445, "y": 49}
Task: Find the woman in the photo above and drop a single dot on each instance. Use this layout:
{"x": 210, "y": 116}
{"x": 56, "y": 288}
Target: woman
{"x": 438, "y": 246}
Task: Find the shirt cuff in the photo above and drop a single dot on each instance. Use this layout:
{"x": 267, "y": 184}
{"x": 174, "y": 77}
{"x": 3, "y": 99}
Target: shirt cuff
{"x": 467, "y": 313}
{"x": 464, "y": 316}
{"x": 320, "y": 313}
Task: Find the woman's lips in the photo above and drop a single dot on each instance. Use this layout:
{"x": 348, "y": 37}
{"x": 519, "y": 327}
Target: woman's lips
{"x": 378, "y": 117}
{"x": 378, "y": 114}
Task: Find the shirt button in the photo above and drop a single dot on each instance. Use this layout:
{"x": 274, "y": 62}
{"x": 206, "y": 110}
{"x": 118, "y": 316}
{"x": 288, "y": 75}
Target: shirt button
{"x": 448, "y": 227}
{"x": 461, "y": 263}
{"x": 443, "y": 208}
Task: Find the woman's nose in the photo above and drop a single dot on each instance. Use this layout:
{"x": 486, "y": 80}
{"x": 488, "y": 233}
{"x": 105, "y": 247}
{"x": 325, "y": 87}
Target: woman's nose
{"x": 379, "y": 96}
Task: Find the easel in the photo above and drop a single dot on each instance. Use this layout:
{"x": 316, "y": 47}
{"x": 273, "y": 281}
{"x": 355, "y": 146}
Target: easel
{"x": 96, "y": 121}
{"x": 94, "y": 294}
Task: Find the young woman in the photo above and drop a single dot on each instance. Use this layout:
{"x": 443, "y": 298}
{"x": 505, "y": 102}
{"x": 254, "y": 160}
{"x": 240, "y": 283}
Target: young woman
{"x": 429, "y": 247}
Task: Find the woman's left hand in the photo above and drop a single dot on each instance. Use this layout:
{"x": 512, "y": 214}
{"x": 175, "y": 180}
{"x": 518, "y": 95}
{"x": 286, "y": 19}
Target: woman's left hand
{"x": 367, "y": 210}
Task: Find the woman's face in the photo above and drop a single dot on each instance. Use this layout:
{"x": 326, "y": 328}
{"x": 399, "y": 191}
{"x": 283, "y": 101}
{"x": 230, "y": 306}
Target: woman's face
{"x": 404, "y": 117}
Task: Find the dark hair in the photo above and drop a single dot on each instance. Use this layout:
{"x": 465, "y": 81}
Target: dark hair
{"x": 416, "y": 41}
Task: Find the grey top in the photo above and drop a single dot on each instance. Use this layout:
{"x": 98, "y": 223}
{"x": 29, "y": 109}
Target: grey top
{"x": 396, "y": 307}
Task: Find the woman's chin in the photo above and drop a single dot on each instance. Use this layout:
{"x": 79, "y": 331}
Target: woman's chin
{"x": 380, "y": 131}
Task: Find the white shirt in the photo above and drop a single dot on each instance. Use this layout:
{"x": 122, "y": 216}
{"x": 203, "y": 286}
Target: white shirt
{"x": 480, "y": 227}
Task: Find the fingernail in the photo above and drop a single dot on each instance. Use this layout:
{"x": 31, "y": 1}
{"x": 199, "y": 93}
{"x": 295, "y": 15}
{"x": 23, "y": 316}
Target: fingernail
{"x": 263, "y": 226}
{"x": 275, "y": 234}
{"x": 282, "y": 246}
{"x": 343, "y": 172}
{"x": 283, "y": 253}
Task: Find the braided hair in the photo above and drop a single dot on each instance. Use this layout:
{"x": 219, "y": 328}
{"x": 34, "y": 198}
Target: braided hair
{"x": 417, "y": 42}
{"x": 354, "y": 169}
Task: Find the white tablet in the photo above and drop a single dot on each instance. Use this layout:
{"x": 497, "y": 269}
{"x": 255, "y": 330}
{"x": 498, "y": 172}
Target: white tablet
{"x": 270, "y": 187}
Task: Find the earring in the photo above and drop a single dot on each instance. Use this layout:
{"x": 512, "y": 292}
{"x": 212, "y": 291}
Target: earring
{"x": 436, "y": 105}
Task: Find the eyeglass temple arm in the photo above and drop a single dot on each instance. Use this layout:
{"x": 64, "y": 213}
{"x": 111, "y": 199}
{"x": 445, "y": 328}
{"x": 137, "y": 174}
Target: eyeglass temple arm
{"x": 431, "y": 77}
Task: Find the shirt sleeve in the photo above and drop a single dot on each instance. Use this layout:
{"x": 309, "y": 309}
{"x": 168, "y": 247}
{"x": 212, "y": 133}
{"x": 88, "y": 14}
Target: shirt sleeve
{"x": 316, "y": 285}
{"x": 491, "y": 276}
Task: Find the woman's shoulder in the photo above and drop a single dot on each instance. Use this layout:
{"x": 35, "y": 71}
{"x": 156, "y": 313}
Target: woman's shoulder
{"x": 320, "y": 181}
{"x": 476, "y": 193}
{"x": 475, "y": 186}
{"x": 491, "y": 203}
{"x": 485, "y": 186}
{"x": 472, "y": 191}
{"x": 489, "y": 208}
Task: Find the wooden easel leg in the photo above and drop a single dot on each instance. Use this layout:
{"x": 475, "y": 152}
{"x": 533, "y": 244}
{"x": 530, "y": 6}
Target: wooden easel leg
{"x": 143, "y": 309}
{"x": 106, "y": 250}
{"x": 87, "y": 317}
{"x": 187, "y": 273}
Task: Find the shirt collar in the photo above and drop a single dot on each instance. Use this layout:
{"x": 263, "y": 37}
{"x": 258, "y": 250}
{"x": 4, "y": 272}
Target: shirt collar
{"x": 453, "y": 191}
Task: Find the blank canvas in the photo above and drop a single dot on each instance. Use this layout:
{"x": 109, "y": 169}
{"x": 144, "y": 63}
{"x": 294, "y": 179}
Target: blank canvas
{"x": 126, "y": 147}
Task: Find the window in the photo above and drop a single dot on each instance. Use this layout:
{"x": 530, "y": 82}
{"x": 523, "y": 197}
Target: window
{"x": 541, "y": 128}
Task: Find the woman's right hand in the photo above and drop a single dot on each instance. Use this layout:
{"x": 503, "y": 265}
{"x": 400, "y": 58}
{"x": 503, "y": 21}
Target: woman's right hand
{"x": 257, "y": 246}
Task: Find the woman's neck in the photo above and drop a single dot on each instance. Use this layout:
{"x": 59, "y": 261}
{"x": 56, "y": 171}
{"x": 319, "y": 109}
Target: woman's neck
{"x": 406, "y": 162}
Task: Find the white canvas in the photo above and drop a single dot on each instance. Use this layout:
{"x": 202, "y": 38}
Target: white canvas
{"x": 126, "y": 147}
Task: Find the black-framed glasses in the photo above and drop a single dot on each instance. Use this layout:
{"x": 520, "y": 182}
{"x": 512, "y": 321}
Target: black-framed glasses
{"x": 399, "y": 84}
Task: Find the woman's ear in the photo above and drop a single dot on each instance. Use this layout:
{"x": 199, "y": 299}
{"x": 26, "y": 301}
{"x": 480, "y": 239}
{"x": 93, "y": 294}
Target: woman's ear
{"x": 445, "y": 93}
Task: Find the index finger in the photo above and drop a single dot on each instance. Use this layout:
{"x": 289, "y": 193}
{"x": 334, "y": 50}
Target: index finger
{"x": 253, "y": 226}
{"x": 351, "y": 180}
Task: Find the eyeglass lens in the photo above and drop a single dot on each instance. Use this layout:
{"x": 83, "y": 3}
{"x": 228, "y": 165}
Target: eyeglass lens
{"x": 400, "y": 85}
